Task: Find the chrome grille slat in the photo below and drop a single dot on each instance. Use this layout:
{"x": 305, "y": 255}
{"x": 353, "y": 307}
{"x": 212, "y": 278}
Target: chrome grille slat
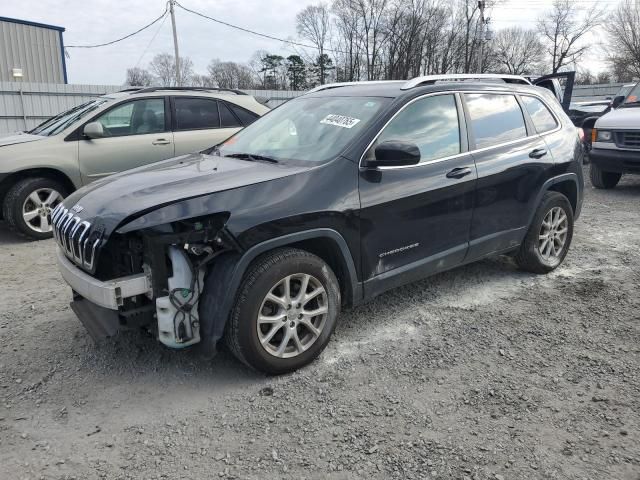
{"x": 73, "y": 235}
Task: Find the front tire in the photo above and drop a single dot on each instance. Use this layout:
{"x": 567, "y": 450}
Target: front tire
{"x": 285, "y": 311}
{"x": 602, "y": 179}
{"x": 547, "y": 242}
{"x": 28, "y": 204}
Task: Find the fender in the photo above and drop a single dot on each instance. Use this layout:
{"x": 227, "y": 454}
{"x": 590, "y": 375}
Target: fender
{"x": 550, "y": 183}
{"x": 225, "y": 275}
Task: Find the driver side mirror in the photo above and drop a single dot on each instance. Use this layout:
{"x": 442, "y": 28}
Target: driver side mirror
{"x": 93, "y": 130}
{"x": 615, "y": 103}
{"x": 395, "y": 153}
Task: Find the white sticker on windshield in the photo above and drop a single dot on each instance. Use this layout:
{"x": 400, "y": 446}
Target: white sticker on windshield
{"x": 340, "y": 121}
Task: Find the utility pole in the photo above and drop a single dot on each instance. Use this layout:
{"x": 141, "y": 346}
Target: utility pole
{"x": 481, "y": 6}
{"x": 175, "y": 42}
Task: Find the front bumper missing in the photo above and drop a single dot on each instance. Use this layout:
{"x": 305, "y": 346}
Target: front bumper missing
{"x": 109, "y": 294}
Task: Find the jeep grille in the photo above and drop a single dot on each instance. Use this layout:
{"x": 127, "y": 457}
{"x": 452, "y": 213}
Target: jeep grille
{"x": 74, "y": 237}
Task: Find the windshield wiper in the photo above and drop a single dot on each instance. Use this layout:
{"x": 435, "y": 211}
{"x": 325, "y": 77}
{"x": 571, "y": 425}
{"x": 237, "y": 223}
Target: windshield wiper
{"x": 637, "y": 102}
{"x": 252, "y": 157}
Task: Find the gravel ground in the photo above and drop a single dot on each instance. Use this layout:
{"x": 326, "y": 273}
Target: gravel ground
{"x": 483, "y": 372}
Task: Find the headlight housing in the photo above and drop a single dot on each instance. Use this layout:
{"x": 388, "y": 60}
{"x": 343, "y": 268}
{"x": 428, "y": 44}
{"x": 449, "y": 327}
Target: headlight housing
{"x": 603, "y": 136}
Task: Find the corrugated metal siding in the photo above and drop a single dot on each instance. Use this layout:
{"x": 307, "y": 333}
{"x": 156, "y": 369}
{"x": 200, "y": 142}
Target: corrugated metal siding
{"x": 40, "y": 101}
{"x": 36, "y": 50}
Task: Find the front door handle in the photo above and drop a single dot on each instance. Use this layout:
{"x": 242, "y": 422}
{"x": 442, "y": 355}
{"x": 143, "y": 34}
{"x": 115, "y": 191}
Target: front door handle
{"x": 459, "y": 172}
{"x": 538, "y": 153}
{"x": 160, "y": 141}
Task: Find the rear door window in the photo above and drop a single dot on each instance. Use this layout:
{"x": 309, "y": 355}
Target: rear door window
{"x": 495, "y": 118}
{"x": 196, "y": 113}
{"x": 542, "y": 118}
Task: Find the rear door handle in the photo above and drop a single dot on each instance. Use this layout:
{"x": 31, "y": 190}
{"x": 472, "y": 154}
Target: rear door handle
{"x": 160, "y": 141}
{"x": 459, "y": 172}
{"x": 538, "y": 153}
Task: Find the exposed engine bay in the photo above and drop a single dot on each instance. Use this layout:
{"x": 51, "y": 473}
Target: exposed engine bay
{"x": 174, "y": 259}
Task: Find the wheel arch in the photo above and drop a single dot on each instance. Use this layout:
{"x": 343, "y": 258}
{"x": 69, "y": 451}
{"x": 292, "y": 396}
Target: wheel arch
{"x": 566, "y": 184}
{"x": 225, "y": 276}
{"x": 10, "y": 180}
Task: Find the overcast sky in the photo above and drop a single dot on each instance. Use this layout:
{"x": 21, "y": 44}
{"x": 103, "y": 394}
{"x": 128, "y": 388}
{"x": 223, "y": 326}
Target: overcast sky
{"x": 98, "y": 21}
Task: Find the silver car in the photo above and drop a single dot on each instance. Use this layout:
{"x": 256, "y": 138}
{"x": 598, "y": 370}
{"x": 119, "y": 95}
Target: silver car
{"x": 110, "y": 134}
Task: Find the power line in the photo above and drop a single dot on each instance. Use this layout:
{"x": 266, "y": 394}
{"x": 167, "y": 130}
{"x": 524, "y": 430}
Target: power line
{"x": 253, "y": 32}
{"x": 152, "y": 40}
{"x": 122, "y": 38}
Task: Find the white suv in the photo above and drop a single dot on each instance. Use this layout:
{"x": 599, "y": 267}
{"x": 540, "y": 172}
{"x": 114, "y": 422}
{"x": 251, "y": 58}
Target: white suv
{"x": 616, "y": 142}
{"x": 110, "y": 134}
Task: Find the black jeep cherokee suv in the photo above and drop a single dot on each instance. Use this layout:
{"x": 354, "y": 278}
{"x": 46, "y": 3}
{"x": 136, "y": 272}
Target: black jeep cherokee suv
{"x": 325, "y": 202}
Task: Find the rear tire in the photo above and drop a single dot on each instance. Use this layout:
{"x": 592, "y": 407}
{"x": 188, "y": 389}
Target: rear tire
{"x": 547, "y": 242}
{"x": 275, "y": 326}
{"x": 28, "y": 203}
{"x": 602, "y": 179}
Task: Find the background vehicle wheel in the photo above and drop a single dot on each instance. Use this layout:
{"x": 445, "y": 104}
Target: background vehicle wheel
{"x": 602, "y": 179}
{"x": 285, "y": 311}
{"x": 549, "y": 237}
{"x": 27, "y": 206}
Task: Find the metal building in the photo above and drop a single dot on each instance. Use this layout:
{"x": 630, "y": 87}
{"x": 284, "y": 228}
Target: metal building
{"x": 31, "y": 52}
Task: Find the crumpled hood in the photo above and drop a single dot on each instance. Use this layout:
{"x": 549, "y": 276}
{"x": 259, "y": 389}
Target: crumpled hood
{"x": 133, "y": 192}
{"x": 622, "y": 118}
{"x": 14, "y": 138}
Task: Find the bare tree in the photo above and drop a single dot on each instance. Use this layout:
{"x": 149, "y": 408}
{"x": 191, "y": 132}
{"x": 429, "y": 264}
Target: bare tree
{"x": 205, "y": 81}
{"x": 138, "y": 77}
{"x": 564, "y": 28}
{"x": 347, "y": 27}
{"x": 230, "y": 75}
{"x": 163, "y": 67}
{"x": 313, "y": 24}
{"x": 623, "y": 28}
{"x": 517, "y": 51}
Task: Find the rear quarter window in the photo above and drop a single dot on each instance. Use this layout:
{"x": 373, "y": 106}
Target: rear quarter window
{"x": 495, "y": 118}
{"x": 542, "y": 118}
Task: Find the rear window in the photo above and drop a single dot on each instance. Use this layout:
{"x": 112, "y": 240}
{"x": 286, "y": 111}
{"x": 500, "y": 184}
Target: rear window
{"x": 542, "y": 118}
{"x": 495, "y": 118}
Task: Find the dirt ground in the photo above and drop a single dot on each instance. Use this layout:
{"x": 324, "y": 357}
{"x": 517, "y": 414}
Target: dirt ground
{"x": 484, "y": 372}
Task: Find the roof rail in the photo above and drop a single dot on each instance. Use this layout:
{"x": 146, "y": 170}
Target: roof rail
{"x": 189, "y": 89}
{"x": 347, "y": 84}
{"x": 429, "y": 79}
{"x": 130, "y": 89}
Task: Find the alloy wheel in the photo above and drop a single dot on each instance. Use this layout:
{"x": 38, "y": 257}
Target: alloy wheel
{"x": 292, "y": 315}
{"x": 553, "y": 235}
{"x": 38, "y": 206}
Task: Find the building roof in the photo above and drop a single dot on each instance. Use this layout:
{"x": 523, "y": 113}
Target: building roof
{"x": 32, "y": 24}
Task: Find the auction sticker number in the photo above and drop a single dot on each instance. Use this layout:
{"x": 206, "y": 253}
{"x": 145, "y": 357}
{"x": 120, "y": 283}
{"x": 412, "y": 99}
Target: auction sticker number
{"x": 340, "y": 121}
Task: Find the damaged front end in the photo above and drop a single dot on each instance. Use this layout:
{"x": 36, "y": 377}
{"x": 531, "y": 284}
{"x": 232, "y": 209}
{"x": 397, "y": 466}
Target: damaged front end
{"x": 150, "y": 278}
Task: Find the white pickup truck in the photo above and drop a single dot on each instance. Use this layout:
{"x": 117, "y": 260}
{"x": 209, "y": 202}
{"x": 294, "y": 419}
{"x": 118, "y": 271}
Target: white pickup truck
{"x": 616, "y": 142}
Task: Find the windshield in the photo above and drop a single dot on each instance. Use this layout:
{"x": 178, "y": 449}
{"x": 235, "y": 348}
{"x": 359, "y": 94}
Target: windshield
{"x": 633, "y": 97}
{"x": 61, "y": 121}
{"x": 305, "y": 129}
